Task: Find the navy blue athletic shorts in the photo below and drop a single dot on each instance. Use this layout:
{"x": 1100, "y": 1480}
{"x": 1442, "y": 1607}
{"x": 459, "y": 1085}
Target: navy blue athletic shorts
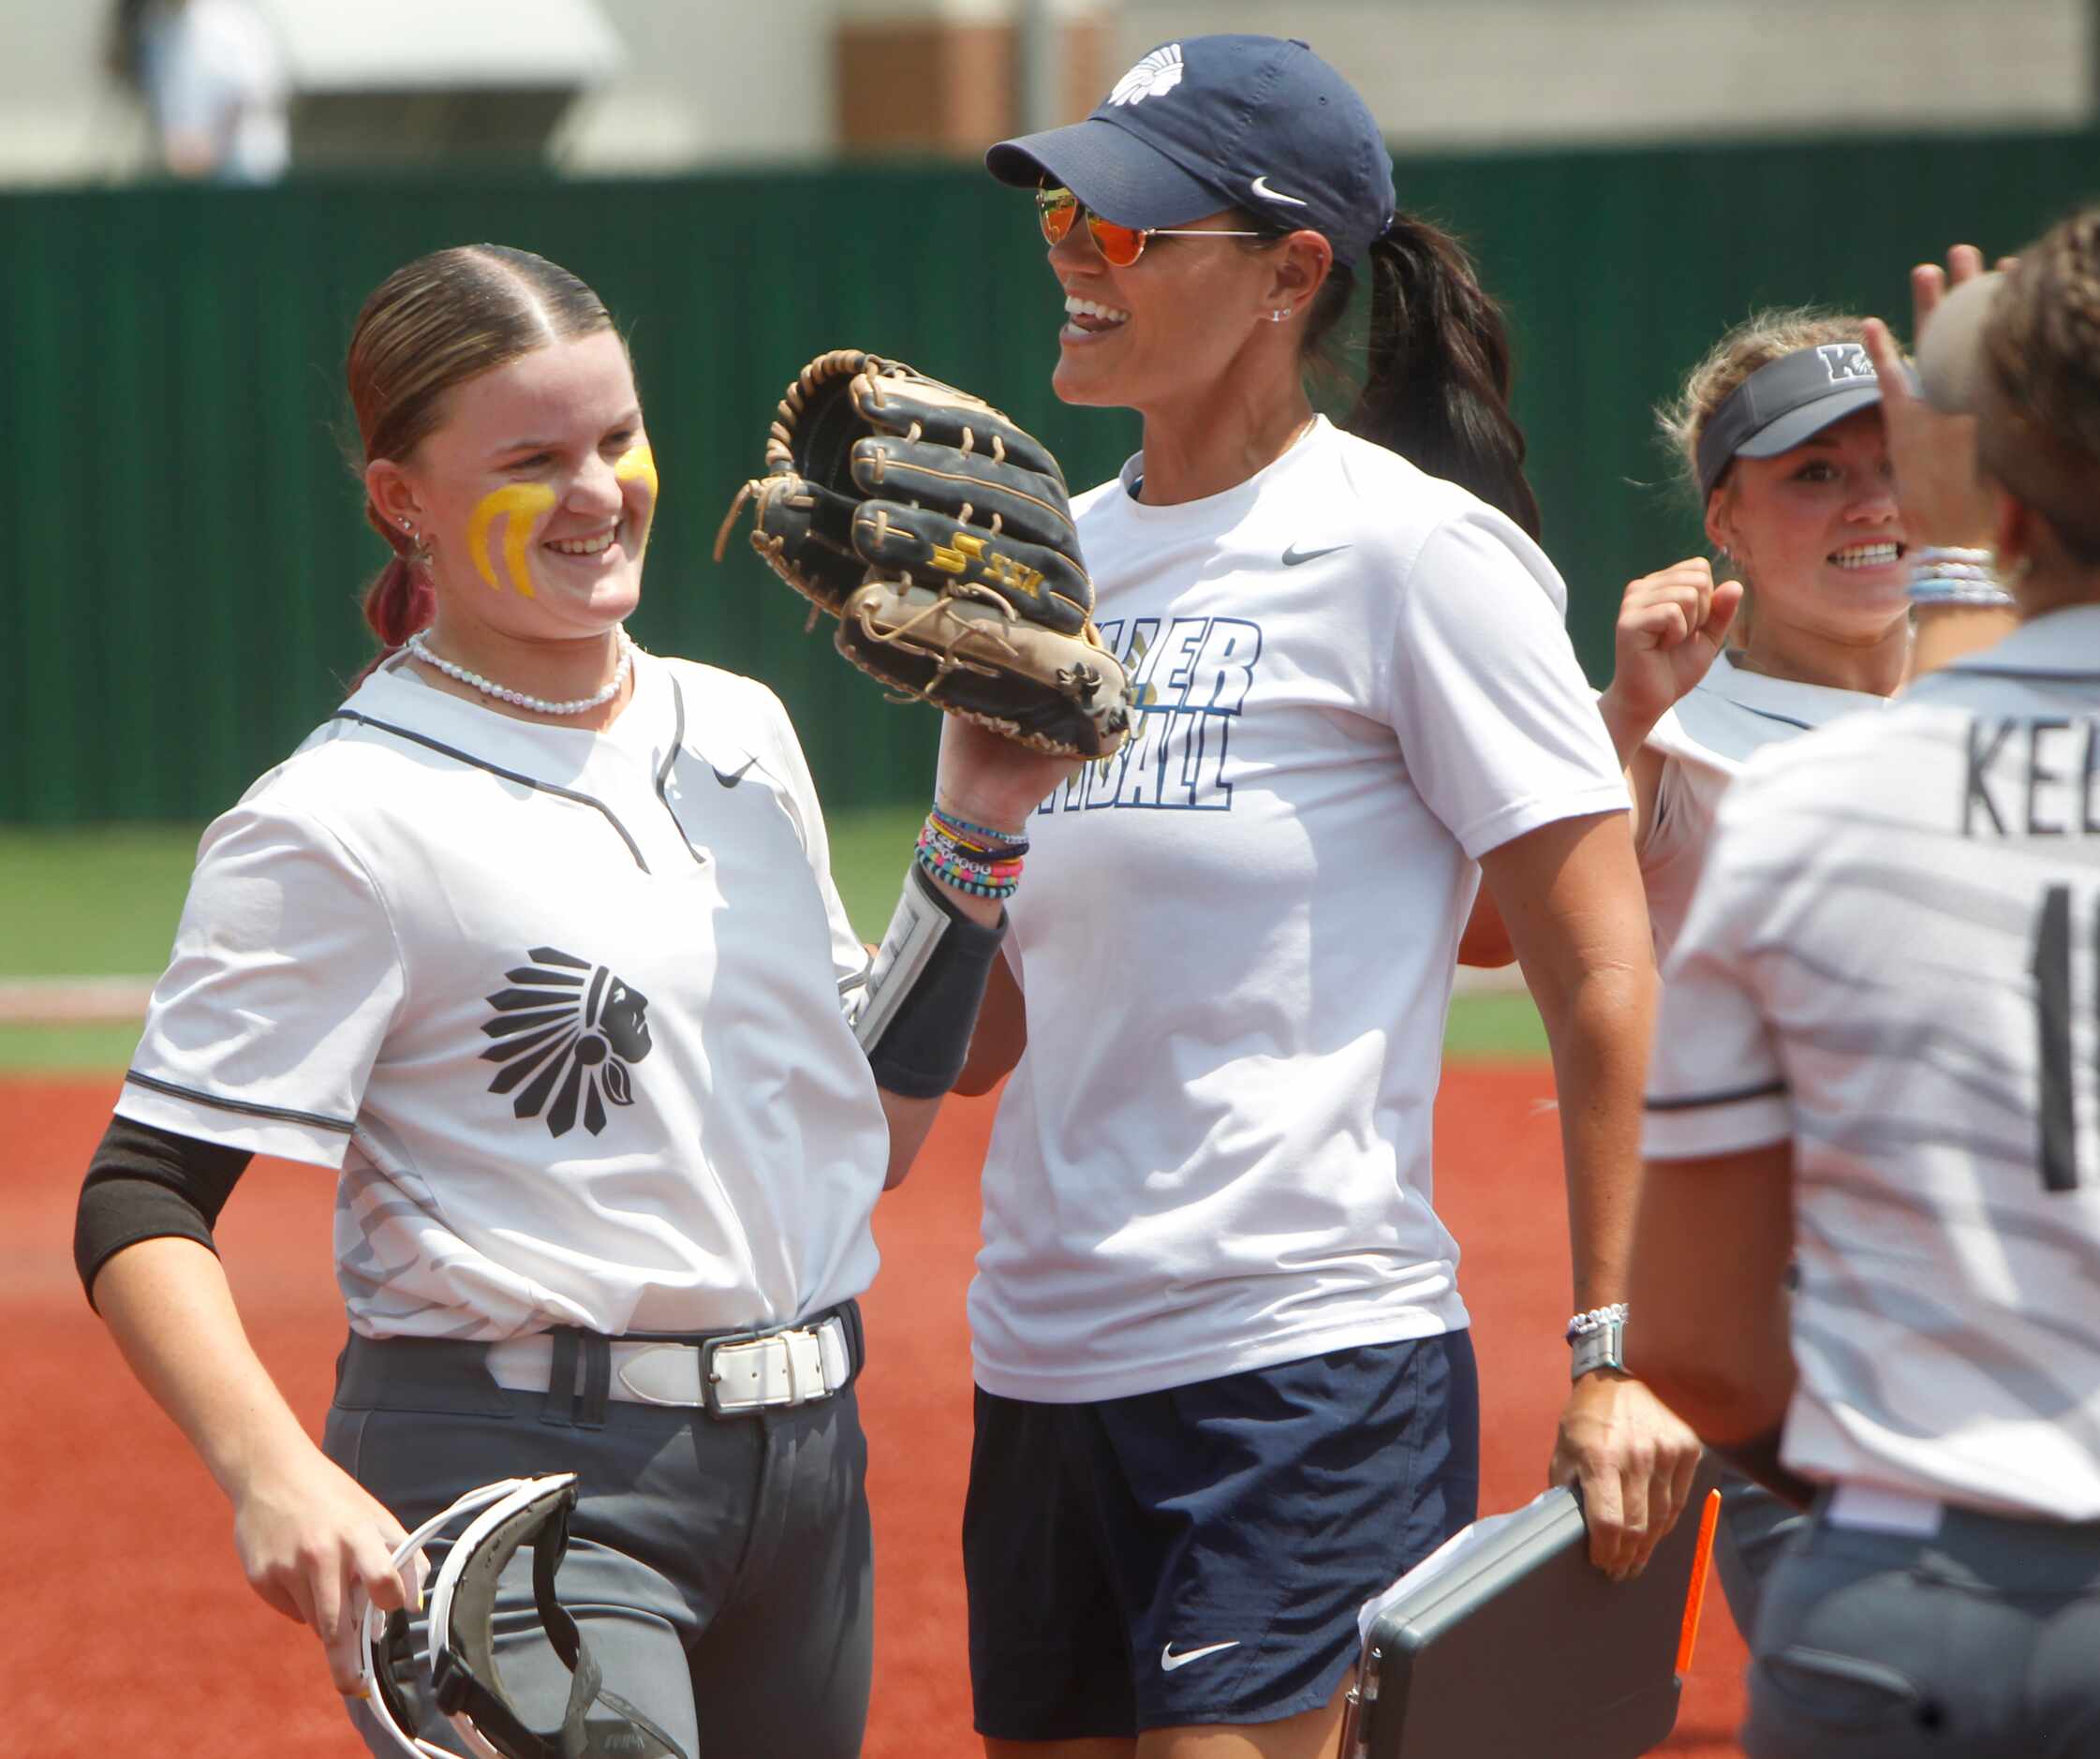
{"x": 1198, "y": 1555}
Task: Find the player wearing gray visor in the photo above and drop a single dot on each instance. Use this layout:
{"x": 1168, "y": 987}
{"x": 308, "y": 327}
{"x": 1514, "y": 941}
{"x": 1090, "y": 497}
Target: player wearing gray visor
{"x": 1875, "y": 1061}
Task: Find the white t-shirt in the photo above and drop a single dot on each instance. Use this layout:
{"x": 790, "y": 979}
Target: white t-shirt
{"x": 1725, "y": 719}
{"x": 1891, "y": 962}
{"x": 562, "y": 1006}
{"x": 1236, "y": 935}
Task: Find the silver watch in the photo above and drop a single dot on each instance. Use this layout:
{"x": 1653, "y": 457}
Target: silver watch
{"x": 1604, "y": 1347}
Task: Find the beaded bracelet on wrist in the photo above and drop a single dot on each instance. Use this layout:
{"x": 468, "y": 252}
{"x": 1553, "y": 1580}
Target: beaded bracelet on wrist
{"x": 978, "y": 836}
{"x": 999, "y": 890}
{"x": 938, "y": 847}
{"x": 1596, "y": 1319}
{"x": 1974, "y": 595}
{"x": 1942, "y": 574}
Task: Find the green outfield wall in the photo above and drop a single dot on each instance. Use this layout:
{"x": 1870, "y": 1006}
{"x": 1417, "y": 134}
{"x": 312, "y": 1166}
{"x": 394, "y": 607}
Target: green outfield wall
{"x": 183, "y": 546}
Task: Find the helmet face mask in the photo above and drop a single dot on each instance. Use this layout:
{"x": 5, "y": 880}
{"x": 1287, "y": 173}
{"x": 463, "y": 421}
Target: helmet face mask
{"x": 459, "y": 1673}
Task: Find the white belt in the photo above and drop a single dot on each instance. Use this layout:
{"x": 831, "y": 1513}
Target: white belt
{"x": 783, "y": 1367}
{"x": 1876, "y": 1509}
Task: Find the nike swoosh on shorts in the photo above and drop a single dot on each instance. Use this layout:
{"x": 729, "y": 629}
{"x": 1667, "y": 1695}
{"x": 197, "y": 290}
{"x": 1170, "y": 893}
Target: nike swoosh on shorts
{"x": 1169, "y": 1660}
{"x": 1293, "y": 556}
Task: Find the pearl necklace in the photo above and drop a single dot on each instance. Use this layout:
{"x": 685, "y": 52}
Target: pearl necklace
{"x": 539, "y": 704}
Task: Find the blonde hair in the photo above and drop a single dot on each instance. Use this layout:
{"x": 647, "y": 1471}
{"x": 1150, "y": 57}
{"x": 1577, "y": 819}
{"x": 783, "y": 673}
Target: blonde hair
{"x": 2040, "y": 434}
{"x": 1758, "y": 341}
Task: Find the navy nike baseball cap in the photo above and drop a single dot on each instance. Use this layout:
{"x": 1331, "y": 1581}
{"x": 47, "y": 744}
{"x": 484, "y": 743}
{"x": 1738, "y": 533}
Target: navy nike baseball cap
{"x": 1257, "y": 122}
{"x": 1785, "y": 402}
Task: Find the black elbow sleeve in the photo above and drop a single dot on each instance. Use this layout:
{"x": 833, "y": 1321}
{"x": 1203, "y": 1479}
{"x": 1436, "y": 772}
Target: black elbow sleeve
{"x": 146, "y": 1184}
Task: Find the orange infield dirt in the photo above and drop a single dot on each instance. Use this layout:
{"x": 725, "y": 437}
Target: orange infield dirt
{"x": 129, "y": 1630}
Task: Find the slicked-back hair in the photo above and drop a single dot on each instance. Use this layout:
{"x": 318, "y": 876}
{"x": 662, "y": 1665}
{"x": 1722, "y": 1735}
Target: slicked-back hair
{"x": 429, "y": 327}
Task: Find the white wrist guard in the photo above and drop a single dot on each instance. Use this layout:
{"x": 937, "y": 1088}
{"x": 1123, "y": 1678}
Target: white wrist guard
{"x": 917, "y": 1010}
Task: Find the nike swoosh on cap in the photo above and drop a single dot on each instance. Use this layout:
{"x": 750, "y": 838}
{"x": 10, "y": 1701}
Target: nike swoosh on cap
{"x": 1293, "y": 556}
{"x": 1260, "y": 187}
{"x": 1169, "y": 1660}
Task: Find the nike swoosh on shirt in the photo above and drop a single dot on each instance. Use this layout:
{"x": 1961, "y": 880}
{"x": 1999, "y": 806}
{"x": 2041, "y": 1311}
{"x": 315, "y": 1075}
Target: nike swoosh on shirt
{"x": 730, "y": 778}
{"x": 1169, "y": 1660}
{"x": 1293, "y": 556}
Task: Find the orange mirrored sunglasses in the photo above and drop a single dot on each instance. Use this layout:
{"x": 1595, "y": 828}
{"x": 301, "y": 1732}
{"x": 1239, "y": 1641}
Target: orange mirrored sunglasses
{"x": 1120, "y": 245}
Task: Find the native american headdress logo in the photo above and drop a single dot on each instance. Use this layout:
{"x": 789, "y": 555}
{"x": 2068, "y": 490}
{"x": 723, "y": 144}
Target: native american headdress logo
{"x": 567, "y": 1029}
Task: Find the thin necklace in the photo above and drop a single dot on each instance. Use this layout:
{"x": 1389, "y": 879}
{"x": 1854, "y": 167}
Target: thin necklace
{"x": 539, "y": 704}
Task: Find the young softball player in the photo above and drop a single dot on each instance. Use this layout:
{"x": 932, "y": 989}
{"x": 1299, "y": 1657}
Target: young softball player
{"x": 535, "y": 943}
{"x": 1875, "y": 1062}
{"x": 1225, "y": 1387}
{"x": 1781, "y": 432}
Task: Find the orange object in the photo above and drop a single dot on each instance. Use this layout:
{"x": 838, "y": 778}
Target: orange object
{"x": 1696, "y": 1593}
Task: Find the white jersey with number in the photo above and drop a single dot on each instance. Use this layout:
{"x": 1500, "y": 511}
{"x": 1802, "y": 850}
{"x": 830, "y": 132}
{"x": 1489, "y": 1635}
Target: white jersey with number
{"x": 1894, "y": 962}
{"x": 1723, "y": 721}
{"x": 562, "y": 1006}
{"x": 1235, "y": 937}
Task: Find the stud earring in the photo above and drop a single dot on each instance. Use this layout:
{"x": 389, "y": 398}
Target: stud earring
{"x": 1279, "y": 315}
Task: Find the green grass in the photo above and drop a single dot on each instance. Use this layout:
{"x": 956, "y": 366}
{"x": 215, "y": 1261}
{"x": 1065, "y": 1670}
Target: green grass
{"x": 1494, "y": 1026}
{"x": 92, "y": 903}
{"x": 29, "y": 1050}
{"x": 103, "y": 902}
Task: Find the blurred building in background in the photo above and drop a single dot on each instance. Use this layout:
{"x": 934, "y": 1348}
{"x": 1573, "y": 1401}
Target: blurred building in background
{"x": 614, "y": 86}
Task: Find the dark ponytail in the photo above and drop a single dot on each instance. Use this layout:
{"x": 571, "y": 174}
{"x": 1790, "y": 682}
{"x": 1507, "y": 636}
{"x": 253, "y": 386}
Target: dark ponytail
{"x": 1437, "y": 389}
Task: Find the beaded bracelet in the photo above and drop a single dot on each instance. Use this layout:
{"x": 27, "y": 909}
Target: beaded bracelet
{"x": 1946, "y": 575}
{"x": 1596, "y": 1319}
{"x": 978, "y": 873}
{"x": 978, "y": 836}
{"x": 996, "y": 890}
{"x": 1971, "y": 594}
{"x": 943, "y": 848}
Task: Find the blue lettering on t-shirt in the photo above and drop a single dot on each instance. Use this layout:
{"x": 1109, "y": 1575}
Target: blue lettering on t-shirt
{"x": 1193, "y": 682}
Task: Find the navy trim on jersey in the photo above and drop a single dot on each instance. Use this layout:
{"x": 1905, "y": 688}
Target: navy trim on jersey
{"x": 2035, "y": 675}
{"x": 634, "y": 848}
{"x": 1765, "y": 714}
{"x": 283, "y": 1114}
{"x": 670, "y": 761}
{"x": 1731, "y": 1096}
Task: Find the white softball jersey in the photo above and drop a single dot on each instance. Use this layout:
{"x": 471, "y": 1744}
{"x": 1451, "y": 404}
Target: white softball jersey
{"x": 1235, "y": 937}
{"x": 1704, "y": 740}
{"x": 1894, "y": 962}
{"x": 562, "y": 1007}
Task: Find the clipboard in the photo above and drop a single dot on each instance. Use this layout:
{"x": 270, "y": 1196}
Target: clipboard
{"x": 1509, "y": 1644}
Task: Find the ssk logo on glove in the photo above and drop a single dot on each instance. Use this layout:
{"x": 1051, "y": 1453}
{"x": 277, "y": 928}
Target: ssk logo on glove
{"x": 965, "y": 547}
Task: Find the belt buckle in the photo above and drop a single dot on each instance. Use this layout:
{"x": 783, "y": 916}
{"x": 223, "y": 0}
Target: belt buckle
{"x": 710, "y": 1382}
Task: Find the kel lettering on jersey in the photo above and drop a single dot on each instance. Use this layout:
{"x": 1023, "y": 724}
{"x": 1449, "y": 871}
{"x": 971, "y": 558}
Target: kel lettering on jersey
{"x": 566, "y": 1031}
{"x": 1192, "y": 680}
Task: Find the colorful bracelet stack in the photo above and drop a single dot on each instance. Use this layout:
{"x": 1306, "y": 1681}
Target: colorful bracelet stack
{"x": 972, "y": 858}
{"x": 1943, "y": 576}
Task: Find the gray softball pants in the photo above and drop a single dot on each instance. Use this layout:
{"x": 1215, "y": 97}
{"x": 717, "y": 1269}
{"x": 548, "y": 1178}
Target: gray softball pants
{"x": 1982, "y": 1642}
{"x": 721, "y": 1568}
